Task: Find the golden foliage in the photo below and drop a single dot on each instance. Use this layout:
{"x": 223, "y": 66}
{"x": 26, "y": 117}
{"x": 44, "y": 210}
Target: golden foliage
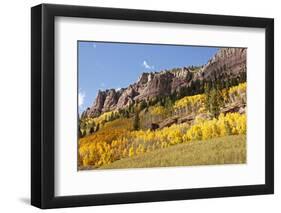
{"x": 229, "y": 124}
{"x": 240, "y": 88}
{"x": 196, "y": 103}
{"x": 116, "y": 140}
{"x": 195, "y": 100}
{"x": 157, "y": 110}
{"x": 113, "y": 144}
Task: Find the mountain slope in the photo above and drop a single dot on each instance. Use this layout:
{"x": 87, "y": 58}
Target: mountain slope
{"x": 227, "y": 64}
{"x": 224, "y": 150}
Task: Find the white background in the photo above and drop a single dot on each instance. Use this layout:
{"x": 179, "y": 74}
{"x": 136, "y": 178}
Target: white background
{"x": 70, "y": 182}
{"x": 15, "y": 106}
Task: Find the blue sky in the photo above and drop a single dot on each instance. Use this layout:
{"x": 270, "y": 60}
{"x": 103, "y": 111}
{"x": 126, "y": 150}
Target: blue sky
{"x": 104, "y": 65}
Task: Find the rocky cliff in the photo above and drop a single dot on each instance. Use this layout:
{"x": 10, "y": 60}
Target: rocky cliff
{"x": 227, "y": 63}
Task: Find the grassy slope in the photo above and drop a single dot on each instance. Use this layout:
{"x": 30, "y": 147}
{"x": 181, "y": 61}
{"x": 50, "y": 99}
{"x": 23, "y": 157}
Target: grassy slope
{"x": 224, "y": 150}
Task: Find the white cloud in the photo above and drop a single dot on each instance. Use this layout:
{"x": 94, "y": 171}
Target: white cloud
{"x": 147, "y": 66}
{"x": 81, "y": 98}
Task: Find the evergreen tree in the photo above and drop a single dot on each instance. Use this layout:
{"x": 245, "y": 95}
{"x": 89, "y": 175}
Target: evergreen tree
{"x": 126, "y": 114}
{"x": 92, "y": 130}
{"x": 142, "y": 105}
{"x": 80, "y": 135}
{"x": 214, "y": 105}
{"x": 97, "y": 127}
{"x": 136, "y": 124}
{"x": 168, "y": 102}
{"x": 214, "y": 99}
{"x": 131, "y": 108}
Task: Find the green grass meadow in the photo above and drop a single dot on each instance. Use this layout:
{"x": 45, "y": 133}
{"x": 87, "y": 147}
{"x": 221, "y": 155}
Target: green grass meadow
{"x": 223, "y": 150}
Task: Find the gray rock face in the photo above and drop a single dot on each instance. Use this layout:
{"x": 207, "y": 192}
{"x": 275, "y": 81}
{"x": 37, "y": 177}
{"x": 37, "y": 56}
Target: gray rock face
{"x": 226, "y": 63}
{"x": 110, "y": 100}
{"x": 98, "y": 105}
{"x": 156, "y": 84}
{"x": 126, "y": 97}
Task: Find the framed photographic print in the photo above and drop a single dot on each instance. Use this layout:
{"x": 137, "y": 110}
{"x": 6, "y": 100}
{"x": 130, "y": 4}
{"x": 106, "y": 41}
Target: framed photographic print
{"x": 139, "y": 106}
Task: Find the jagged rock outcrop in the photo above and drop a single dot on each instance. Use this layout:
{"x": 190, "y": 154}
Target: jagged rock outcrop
{"x": 126, "y": 97}
{"x": 105, "y": 101}
{"x": 225, "y": 64}
{"x": 97, "y": 107}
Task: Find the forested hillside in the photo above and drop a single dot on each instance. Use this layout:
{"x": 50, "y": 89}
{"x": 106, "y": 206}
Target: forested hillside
{"x": 192, "y": 105}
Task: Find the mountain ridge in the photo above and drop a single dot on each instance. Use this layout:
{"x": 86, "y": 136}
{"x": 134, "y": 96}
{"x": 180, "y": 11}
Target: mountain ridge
{"x": 225, "y": 65}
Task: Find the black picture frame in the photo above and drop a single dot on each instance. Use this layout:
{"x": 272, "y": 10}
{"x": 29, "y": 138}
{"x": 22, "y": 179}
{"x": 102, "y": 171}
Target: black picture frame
{"x": 43, "y": 102}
